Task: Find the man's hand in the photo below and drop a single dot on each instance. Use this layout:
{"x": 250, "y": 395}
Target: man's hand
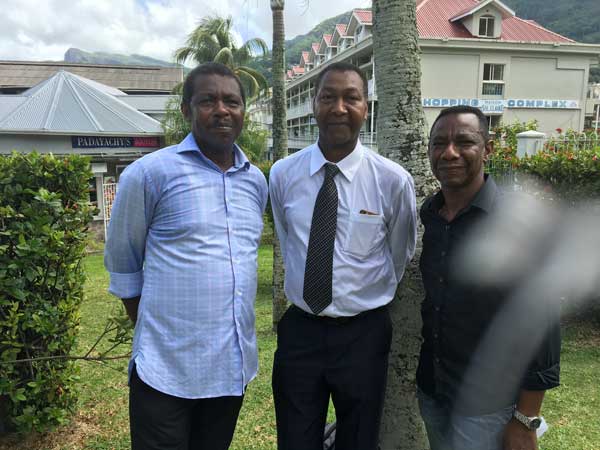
{"x": 518, "y": 437}
{"x": 131, "y": 307}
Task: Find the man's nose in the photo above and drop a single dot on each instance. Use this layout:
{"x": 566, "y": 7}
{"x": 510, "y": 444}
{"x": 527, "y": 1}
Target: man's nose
{"x": 221, "y": 108}
{"x": 450, "y": 152}
{"x": 339, "y": 106}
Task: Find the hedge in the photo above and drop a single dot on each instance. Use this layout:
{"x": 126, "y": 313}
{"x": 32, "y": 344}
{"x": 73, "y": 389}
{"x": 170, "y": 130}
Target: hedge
{"x": 44, "y": 215}
{"x": 568, "y": 173}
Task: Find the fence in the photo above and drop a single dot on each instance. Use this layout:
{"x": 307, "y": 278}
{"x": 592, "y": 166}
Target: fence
{"x": 109, "y": 191}
{"x": 573, "y": 142}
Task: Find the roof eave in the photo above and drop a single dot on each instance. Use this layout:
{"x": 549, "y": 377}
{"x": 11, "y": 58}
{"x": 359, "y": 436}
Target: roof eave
{"x": 505, "y": 10}
{"x": 566, "y": 47}
{"x": 81, "y": 133}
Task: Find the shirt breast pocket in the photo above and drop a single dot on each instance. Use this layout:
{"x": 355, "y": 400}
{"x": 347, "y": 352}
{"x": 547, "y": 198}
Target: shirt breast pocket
{"x": 365, "y": 234}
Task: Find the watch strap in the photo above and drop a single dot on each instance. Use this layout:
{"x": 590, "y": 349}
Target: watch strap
{"x": 532, "y": 423}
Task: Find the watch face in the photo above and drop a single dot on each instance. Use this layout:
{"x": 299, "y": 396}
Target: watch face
{"x": 535, "y": 423}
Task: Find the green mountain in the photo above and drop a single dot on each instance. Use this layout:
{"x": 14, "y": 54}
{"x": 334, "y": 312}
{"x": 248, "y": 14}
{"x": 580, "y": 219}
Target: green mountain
{"x": 577, "y": 19}
{"x": 294, "y": 47}
{"x": 75, "y": 55}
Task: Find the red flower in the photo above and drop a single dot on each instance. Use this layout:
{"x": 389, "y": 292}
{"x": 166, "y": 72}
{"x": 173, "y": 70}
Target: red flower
{"x": 559, "y": 130}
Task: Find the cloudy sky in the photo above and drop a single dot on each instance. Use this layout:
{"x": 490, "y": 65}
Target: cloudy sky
{"x": 44, "y": 30}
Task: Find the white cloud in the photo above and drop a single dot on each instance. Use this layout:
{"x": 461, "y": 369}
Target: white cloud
{"x": 44, "y": 30}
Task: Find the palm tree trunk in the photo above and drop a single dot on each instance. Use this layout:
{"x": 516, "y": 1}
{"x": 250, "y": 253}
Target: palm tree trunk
{"x": 401, "y": 137}
{"x": 279, "y": 143}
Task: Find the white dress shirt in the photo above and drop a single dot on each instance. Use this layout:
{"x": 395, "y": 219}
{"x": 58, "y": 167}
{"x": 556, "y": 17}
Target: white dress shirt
{"x": 376, "y": 226}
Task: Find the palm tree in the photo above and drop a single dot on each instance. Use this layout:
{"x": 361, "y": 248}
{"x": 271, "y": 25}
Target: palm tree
{"x": 401, "y": 136}
{"x": 212, "y": 40}
{"x": 279, "y": 142}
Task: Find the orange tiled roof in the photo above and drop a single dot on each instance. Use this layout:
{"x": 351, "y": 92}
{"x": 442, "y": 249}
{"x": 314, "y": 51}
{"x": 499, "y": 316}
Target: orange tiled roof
{"x": 433, "y": 21}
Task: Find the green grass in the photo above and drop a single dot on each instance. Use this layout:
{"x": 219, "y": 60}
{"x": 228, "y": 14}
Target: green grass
{"x": 101, "y": 421}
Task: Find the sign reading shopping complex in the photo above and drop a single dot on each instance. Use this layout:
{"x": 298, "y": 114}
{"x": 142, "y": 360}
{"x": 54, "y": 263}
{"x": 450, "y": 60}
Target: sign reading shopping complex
{"x": 113, "y": 141}
{"x": 498, "y": 106}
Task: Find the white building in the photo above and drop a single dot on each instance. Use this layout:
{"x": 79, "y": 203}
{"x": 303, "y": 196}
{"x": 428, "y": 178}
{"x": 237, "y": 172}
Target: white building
{"x": 68, "y": 114}
{"x": 473, "y": 52}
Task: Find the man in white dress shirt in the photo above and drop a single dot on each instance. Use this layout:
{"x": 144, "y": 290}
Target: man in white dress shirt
{"x": 346, "y": 221}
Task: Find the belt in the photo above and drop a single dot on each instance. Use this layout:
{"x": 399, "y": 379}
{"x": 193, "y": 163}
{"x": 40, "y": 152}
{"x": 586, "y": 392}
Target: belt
{"x": 334, "y": 320}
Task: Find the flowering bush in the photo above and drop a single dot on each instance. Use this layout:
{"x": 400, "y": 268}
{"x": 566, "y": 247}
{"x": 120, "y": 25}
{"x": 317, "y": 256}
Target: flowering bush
{"x": 568, "y": 165}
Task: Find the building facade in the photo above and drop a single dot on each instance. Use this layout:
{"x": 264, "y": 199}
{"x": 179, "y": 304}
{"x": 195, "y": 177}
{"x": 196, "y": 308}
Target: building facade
{"x": 476, "y": 53}
{"x": 69, "y": 114}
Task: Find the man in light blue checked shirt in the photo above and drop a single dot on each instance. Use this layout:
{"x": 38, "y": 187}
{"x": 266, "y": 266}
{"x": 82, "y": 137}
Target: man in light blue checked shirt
{"x": 182, "y": 254}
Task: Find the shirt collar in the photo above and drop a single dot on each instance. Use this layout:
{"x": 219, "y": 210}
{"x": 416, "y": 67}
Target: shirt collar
{"x": 348, "y": 166}
{"x": 484, "y": 199}
{"x": 189, "y": 144}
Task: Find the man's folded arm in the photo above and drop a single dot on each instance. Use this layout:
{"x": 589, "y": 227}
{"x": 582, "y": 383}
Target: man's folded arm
{"x": 402, "y": 228}
{"x": 126, "y": 241}
{"x": 544, "y": 370}
{"x": 277, "y": 207}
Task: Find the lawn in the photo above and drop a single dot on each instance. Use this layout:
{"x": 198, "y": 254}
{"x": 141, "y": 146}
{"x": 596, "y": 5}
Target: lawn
{"x": 101, "y": 422}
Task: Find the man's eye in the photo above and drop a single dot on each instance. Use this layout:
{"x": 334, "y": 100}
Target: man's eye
{"x": 233, "y": 103}
{"x": 205, "y": 102}
{"x": 326, "y": 98}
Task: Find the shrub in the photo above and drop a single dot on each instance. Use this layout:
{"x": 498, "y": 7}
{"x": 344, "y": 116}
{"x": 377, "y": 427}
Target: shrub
{"x": 44, "y": 214}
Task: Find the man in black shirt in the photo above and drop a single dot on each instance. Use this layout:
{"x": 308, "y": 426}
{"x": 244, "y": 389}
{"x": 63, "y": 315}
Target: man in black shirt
{"x": 462, "y": 409}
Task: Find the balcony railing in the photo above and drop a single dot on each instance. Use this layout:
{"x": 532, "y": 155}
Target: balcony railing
{"x": 304, "y": 140}
{"x": 493, "y": 89}
{"x": 301, "y": 110}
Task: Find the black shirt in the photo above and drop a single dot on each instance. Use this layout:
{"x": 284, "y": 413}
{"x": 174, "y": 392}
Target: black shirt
{"x": 456, "y": 314}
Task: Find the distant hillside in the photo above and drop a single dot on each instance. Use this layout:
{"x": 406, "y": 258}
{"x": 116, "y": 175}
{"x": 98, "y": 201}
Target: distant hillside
{"x": 294, "y": 47}
{"x": 577, "y": 19}
{"x": 75, "y": 55}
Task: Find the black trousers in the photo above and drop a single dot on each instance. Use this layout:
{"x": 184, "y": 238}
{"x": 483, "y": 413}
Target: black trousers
{"x": 317, "y": 358}
{"x": 162, "y": 422}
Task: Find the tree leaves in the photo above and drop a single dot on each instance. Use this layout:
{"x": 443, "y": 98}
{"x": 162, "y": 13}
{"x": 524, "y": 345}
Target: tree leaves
{"x": 44, "y": 212}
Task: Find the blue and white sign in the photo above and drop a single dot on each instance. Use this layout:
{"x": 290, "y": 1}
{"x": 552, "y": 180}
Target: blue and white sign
{"x": 497, "y": 106}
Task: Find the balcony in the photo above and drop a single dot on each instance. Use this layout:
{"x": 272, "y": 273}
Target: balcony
{"x": 372, "y": 90}
{"x": 304, "y": 140}
{"x": 301, "y": 110}
{"x": 496, "y": 89}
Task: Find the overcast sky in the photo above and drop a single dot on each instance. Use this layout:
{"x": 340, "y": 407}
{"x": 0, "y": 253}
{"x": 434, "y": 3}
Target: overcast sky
{"x": 44, "y": 30}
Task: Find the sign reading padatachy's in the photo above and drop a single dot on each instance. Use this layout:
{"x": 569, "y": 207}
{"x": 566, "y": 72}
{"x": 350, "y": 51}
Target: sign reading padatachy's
{"x": 114, "y": 141}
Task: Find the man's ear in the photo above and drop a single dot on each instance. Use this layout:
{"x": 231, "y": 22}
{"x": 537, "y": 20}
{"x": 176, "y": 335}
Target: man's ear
{"x": 185, "y": 110}
{"x": 488, "y": 149}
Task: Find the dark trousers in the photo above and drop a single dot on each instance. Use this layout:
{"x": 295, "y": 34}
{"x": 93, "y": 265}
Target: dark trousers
{"x": 162, "y": 422}
{"x": 317, "y": 358}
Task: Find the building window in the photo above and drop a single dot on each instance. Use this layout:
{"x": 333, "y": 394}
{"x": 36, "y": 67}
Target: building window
{"x": 486, "y": 26}
{"x": 358, "y": 33}
{"x": 493, "y": 79}
{"x": 494, "y": 122}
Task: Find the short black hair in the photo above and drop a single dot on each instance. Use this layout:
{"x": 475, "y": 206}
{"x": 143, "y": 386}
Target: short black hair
{"x": 210, "y": 68}
{"x": 464, "y": 109}
{"x": 342, "y": 67}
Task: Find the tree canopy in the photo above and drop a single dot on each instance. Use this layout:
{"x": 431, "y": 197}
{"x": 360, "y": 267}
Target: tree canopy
{"x": 213, "y": 40}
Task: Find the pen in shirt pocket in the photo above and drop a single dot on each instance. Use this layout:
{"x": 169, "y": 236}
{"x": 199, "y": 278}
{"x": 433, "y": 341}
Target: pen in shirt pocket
{"x": 367, "y": 213}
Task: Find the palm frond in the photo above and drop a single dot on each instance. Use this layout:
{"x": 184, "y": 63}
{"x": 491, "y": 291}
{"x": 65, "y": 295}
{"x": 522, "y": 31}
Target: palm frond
{"x": 250, "y": 84}
{"x": 261, "y": 81}
{"x": 224, "y": 56}
{"x": 256, "y": 46}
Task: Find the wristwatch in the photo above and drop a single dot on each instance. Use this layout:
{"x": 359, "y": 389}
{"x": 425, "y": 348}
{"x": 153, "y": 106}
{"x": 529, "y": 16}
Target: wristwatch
{"x": 532, "y": 423}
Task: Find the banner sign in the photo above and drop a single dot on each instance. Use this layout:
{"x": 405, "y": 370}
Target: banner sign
{"x": 497, "y": 106}
{"x": 113, "y": 142}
